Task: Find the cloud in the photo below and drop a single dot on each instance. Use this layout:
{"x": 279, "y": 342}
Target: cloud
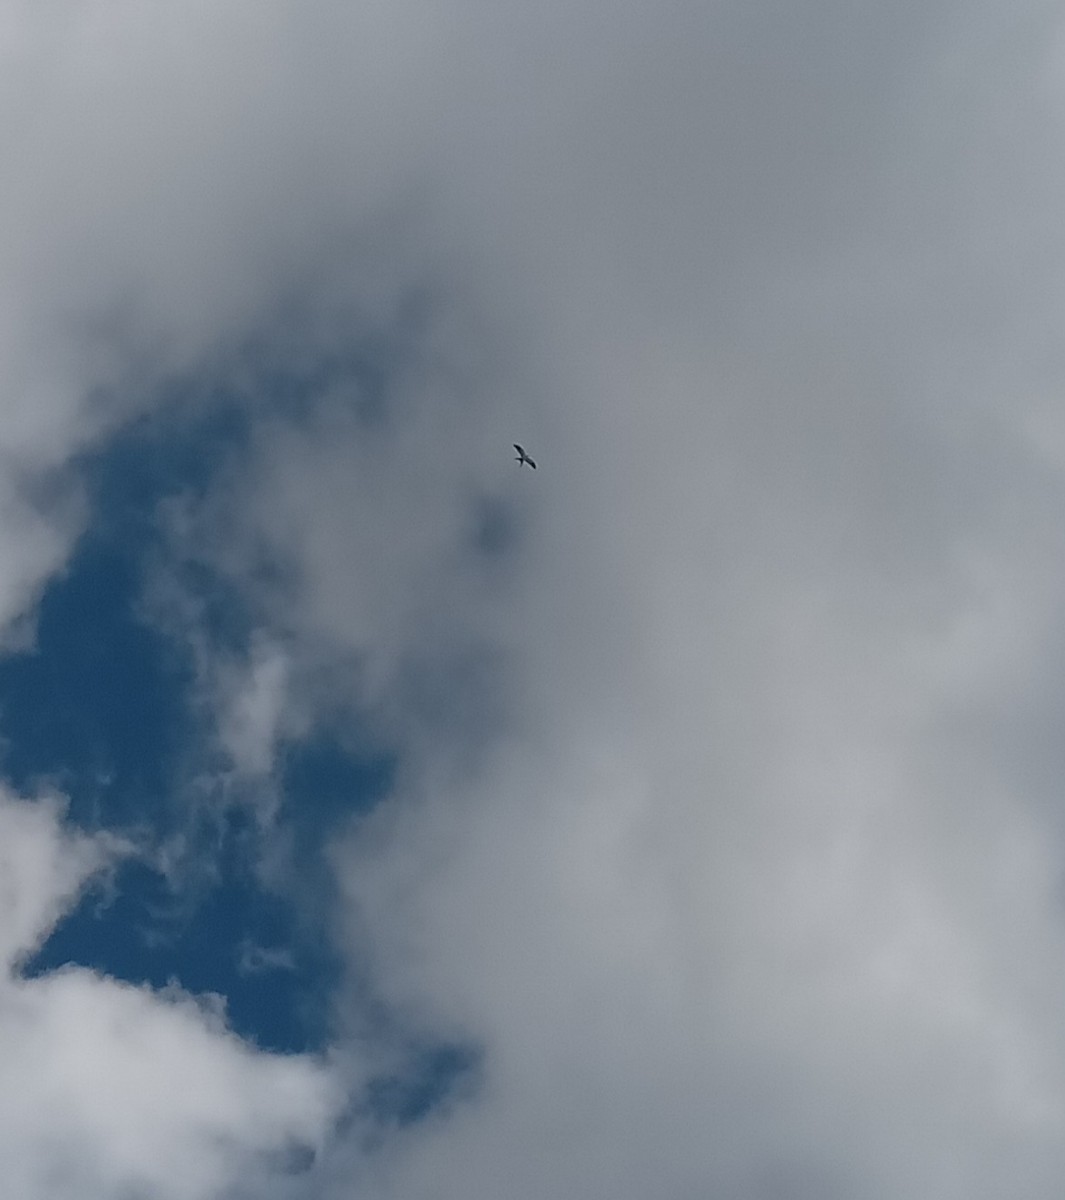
{"x": 256, "y": 960}
{"x": 726, "y": 823}
{"x": 250, "y": 727}
{"x": 43, "y": 869}
{"x": 106, "y": 1087}
{"x": 737, "y": 905}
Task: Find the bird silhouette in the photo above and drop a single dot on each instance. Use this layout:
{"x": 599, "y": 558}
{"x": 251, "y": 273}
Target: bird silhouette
{"x": 523, "y": 457}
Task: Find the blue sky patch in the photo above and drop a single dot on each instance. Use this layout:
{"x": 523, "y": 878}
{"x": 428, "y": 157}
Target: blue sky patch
{"x": 324, "y": 785}
{"x": 433, "y": 1075}
{"x": 222, "y": 932}
{"x": 104, "y": 708}
{"x": 98, "y": 707}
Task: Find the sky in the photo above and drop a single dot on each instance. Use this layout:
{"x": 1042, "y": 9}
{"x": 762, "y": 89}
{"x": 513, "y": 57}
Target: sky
{"x": 382, "y": 819}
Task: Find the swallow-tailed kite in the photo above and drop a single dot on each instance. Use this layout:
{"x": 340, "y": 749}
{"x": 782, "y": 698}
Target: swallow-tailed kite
{"x": 523, "y": 457}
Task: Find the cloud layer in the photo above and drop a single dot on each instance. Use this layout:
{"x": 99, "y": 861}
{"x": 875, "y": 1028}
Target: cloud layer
{"x": 726, "y": 824}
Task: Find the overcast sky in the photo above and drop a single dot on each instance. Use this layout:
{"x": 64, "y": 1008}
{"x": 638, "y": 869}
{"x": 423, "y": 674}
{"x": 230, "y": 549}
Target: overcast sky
{"x": 382, "y": 819}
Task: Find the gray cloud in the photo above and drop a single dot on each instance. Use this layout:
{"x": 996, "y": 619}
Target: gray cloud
{"x": 752, "y": 884}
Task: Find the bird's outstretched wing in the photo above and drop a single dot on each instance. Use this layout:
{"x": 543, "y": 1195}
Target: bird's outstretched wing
{"x": 519, "y": 449}
{"x": 530, "y": 462}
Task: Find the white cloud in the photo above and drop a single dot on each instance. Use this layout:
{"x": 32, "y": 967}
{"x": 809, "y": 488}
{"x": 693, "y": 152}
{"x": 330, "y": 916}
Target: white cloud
{"x": 42, "y": 868}
{"x": 252, "y": 710}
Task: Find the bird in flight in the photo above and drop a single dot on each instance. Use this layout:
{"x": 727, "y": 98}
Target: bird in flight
{"x": 523, "y": 457}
